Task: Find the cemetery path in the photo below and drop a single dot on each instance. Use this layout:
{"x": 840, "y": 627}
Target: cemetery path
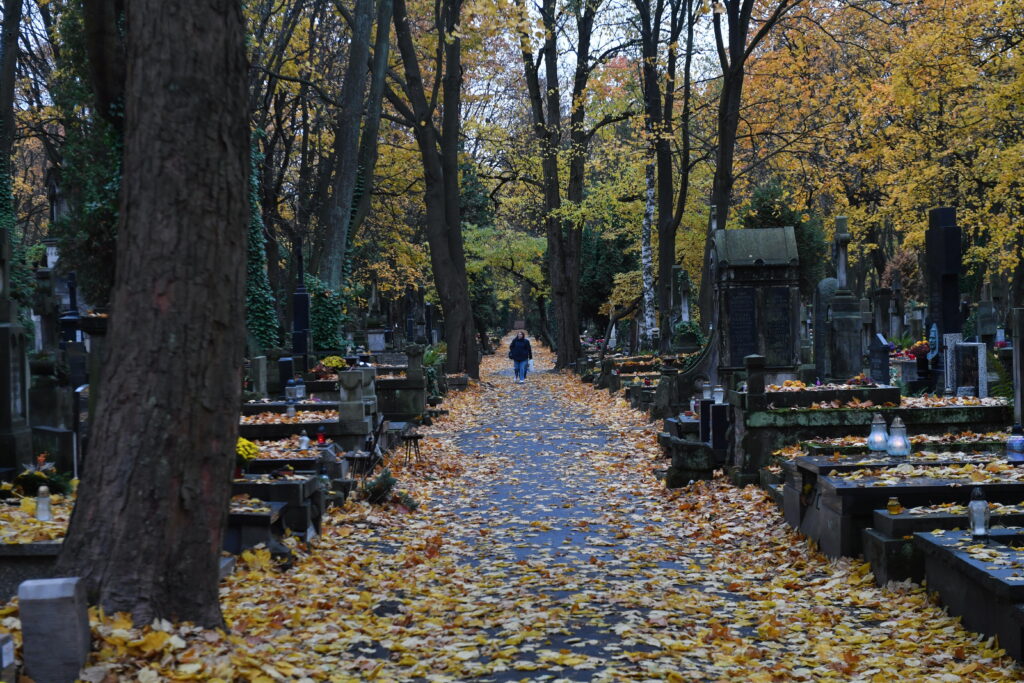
{"x": 544, "y": 548}
{"x": 556, "y": 554}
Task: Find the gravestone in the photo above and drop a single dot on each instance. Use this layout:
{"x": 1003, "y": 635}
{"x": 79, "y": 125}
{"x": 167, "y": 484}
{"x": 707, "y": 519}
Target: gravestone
{"x": 943, "y": 251}
{"x": 285, "y": 371}
{"x": 881, "y": 309}
{"x": 823, "y": 296}
{"x": 971, "y": 369}
{"x": 758, "y": 300}
{"x": 878, "y": 359}
{"x": 55, "y": 628}
{"x": 680, "y": 294}
{"x": 259, "y": 375}
{"x": 986, "y": 316}
{"x": 847, "y": 348}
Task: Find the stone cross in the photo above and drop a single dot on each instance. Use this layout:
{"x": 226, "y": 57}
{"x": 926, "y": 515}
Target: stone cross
{"x": 842, "y": 241}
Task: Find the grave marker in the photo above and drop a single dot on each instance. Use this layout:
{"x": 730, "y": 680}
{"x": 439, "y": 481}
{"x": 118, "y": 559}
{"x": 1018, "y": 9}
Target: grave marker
{"x": 943, "y": 250}
{"x": 878, "y": 359}
{"x": 971, "y": 369}
{"x": 55, "y": 628}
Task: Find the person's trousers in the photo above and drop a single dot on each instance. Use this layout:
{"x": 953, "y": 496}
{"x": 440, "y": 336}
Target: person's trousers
{"x": 521, "y": 366}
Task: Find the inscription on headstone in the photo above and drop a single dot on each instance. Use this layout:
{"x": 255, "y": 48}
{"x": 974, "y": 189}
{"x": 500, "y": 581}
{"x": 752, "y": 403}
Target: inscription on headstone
{"x": 777, "y": 326}
{"x": 742, "y": 311}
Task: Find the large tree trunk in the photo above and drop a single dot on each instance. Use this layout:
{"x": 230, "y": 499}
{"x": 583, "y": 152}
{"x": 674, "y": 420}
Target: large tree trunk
{"x": 337, "y": 210}
{"x": 8, "y": 61}
{"x": 439, "y": 155}
{"x": 147, "y": 530}
{"x": 563, "y": 236}
{"x": 647, "y": 262}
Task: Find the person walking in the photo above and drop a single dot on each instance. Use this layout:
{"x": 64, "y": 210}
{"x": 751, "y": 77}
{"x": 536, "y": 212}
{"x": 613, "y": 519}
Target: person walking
{"x": 521, "y": 354}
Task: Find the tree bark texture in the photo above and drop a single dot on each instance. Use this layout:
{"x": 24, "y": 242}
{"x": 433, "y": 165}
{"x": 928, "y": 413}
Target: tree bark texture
{"x": 336, "y": 213}
{"x": 104, "y": 45}
{"x": 147, "y": 530}
{"x": 439, "y": 154}
{"x": 8, "y": 62}
{"x": 650, "y": 321}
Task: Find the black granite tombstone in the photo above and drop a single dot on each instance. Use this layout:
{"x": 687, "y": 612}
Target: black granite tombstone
{"x": 943, "y": 251}
{"x": 878, "y": 359}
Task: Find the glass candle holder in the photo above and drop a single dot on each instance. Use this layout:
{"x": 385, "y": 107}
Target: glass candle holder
{"x": 898, "y": 445}
{"x": 878, "y": 439}
{"x": 978, "y": 515}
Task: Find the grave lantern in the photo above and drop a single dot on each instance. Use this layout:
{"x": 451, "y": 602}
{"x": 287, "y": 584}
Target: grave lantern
{"x": 1015, "y": 445}
{"x": 978, "y": 515}
{"x": 706, "y": 391}
{"x": 898, "y": 445}
{"x": 300, "y": 389}
{"x": 321, "y": 436}
{"x": 44, "y": 513}
{"x": 303, "y": 440}
{"x": 719, "y": 394}
{"x": 878, "y": 439}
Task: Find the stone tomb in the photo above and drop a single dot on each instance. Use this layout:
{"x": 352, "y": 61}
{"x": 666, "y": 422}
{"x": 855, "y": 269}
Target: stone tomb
{"x": 301, "y": 494}
{"x": 889, "y": 547}
{"x": 970, "y": 369}
{"x": 980, "y": 581}
{"x": 757, "y": 275}
{"x": 834, "y": 510}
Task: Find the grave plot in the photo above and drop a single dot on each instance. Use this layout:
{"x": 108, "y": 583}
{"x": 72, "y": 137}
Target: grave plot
{"x": 950, "y": 442}
{"x": 834, "y": 509}
{"x": 758, "y": 433}
{"x": 889, "y": 546}
{"x": 28, "y": 545}
{"x": 301, "y": 494}
{"x": 274, "y": 406}
{"x": 981, "y": 581}
{"x": 252, "y": 522}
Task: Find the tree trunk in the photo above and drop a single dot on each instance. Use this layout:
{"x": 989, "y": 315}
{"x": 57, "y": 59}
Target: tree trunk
{"x": 8, "y": 61}
{"x": 439, "y": 155}
{"x": 371, "y": 125}
{"x": 336, "y": 213}
{"x": 147, "y": 530}
{"x": 563, "y": 236}
{"x": 650, "y": 321}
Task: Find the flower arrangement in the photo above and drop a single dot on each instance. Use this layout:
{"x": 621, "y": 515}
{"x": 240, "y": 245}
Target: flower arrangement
{"x": 42, "y": 473}
{"x": 919, "y": 349}
{"x": 246, "y": 450}
{"x": 333, "y": 362}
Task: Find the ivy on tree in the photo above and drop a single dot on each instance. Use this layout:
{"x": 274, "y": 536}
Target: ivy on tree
{"x": 260, "y": 313}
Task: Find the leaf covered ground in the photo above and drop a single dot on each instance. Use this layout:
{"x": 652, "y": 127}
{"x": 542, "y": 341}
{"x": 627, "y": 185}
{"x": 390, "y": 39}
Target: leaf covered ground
{"x": 545, "y": 548}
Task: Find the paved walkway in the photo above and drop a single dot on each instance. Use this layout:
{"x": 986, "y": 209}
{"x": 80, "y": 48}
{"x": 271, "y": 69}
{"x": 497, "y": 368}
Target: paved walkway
{"x": 544, "y": 548}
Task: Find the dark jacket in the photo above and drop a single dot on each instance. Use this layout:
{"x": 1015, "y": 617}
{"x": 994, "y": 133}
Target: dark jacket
{"x": 520, "y": 349}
